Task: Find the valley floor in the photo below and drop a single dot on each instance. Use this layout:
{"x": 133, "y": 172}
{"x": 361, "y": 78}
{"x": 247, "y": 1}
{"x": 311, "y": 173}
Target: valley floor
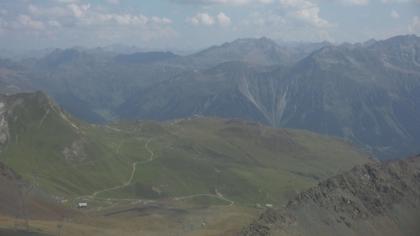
{"x": 143, "y": 219}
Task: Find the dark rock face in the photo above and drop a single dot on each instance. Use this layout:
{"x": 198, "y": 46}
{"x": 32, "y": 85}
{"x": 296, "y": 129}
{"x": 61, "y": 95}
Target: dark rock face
{"x": 4, "y": 129}
{"x": 7, "y": 173}
{"x": 374, "y": 199}
{"x": 21, "y": 200}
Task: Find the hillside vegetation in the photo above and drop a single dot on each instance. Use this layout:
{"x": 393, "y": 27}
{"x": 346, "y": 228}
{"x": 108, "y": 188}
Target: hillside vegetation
{"x": 227, "y": 161}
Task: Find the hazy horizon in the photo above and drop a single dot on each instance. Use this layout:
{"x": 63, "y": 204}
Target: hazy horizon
{"x": 193, "y": 25}
{"x": 125, "y": 48}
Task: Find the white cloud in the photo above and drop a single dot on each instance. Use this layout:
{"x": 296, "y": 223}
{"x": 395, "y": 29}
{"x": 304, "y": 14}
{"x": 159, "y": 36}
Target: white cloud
{"x": 25, "y": 21}
{"x": 55, "y": 11}
{"x": 159, "y": 20}
{"x": 305, "y": 11}
{"x": 115, "y": 2}
{"x": 394, "y": 14}
{"x": 54, "y": 23}
{"x": 206, "y": 19}
{"x": 265, "y": 19}
{"x": 71, "y": 17}
{"x": 247, "y": 2}
{"x": 399, "y": 1}
{"x": 79, "y": 10}
{"x": 68, "y": 1}
{"x": 121, "y": 19}
{"x": 288, "y": 20}
{"x": 107, "y": 19}
{"x": 84, "y": 14}
{"x": 311, "y": 16}
{"x": 202, "y": 19}
{"x": 414, "y": 27}
{"x": 301, "y": 4}
{"x": 223, "y": 19}
{"x": 223, "y": 2}
{"x": 356, "y": 2}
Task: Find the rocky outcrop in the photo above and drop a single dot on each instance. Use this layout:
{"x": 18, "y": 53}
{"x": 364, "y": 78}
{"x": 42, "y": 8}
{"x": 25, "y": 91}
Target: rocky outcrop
{"x": 76, "y": 152}
{"x": 4, "y": 128}
{"x": 374, "y": 199}
{"x": 7, "y": 173}
{"x": 20, "y": 199}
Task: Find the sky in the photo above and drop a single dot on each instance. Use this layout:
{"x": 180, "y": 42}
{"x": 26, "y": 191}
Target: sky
{"x": 194, "y": 24}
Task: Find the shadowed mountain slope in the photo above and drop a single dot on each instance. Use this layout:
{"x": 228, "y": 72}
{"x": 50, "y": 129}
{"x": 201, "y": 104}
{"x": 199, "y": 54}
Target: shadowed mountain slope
{"x": 367, "y": 93}
{"x": 22, "y": 200}
{"x": 374, "y": 199}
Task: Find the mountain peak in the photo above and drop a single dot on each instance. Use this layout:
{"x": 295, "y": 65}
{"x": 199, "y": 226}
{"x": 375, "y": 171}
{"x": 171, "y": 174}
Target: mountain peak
{"x": 399, "y": 41}
{"x": 259, "y": 51}
{"x": 33, "y": 110}
{"x": 263, "y": 41}
{"x": 407, "y": 37}
{"x": 61, "y": 56}
{"x": 145, "y": 57}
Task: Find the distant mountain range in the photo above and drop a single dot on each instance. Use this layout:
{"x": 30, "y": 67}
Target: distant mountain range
{"x": 368, "y": 92}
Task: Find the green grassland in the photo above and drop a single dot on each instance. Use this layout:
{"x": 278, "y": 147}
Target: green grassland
{"x": 245, "y": 163}
{"x": 40, "y": 133}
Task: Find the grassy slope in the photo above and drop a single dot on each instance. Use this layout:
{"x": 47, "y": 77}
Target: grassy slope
{"x": 38, "y": 136}
{"x": 247, "y": 163}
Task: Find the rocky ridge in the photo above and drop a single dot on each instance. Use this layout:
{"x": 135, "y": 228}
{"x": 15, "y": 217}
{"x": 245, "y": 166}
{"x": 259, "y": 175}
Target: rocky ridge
{"x": 373, "y": 199}
{"x": 4, "y": 128}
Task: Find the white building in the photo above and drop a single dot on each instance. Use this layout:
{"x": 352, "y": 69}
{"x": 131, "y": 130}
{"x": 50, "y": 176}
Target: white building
{"x": 82, "y": 205}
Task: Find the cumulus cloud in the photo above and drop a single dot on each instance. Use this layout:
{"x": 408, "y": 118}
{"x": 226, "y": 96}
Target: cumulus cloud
{"x": 289, "y": 20}
{"x": 246, "y": 2}
{"x": 68, "y": 1}
{"x": 54, "y": 23}
{"x": 205, "y": 19}
{"x": 394, "y": 14}
{"x": 79, "y": 10}
{"x": 414, "y": 27}
{"x": 55, "y": 11}
{"x": 223, "y": 19}
{"x": 27, "y": 22}
{"x": 399, "y": 1}
{"x": 202, "y": 19}
{"x": 225, "y": 2}
{"x": 302, "y": 10}
{"x": 74, "y": 12}
{"x": 306, "y": 12}
{"x": 22, "y": 22}
{"x": 356, "y": 2}
{"x": 115, "y": 2}
{"x": 66, "y": 19}
{"x": 311, "y": 16}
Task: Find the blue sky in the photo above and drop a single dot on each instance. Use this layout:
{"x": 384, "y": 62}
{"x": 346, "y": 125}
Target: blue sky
{"x": 192, "y": 24}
